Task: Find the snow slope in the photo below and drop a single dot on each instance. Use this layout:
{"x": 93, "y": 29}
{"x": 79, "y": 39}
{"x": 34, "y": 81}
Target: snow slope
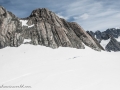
{"x": 44, "y": 68}
{"x": 118, "y": 39}
{"x": 103, "y": 43}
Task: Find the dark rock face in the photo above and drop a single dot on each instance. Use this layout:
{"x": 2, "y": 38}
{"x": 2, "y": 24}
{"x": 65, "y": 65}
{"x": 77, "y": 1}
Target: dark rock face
{"x": 43, "y": 28}
{"x": 10, "y": 29}
{"x": 105, "y": 34}
{"x": 113, "y": 45}
{"x": 112, "y": 33}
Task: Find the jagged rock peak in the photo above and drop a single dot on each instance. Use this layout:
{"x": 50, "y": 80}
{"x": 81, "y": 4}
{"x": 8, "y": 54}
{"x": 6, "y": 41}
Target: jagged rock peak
{"x": 10, "y": 29}
{"x": 3, "y": 11}
{"x": 66, "y": 34}
{"x": 41, "y": 12}
{"x": 111, "y": 34}
{"x": 43, "y": 27}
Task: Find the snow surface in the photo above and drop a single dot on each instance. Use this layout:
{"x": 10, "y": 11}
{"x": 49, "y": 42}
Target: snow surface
{"x": 24, "y": 23}
{"x": 44, "y": 68}
{"x": 27, "y": 40}
{"x": 104, "y": 43}
{"x": 117, "y": 28}
{"x": 118, "y": 39}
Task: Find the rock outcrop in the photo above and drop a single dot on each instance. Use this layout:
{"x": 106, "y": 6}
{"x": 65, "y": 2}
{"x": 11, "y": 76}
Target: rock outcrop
{"x": 10, "y": 29}
{"x": 52, "y": 31}
{"x": 113, "y": 45}
{"x": 45, "y": 28}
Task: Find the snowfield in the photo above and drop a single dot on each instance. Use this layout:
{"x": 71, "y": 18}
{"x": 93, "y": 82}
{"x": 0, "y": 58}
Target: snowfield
{"x": 44, "y": 68}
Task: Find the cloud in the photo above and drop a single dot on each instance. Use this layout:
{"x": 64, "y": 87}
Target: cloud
{"x": 95, "y": 15}
{"x": 61, "y": 16}
{"x": 90, "y": 14}
{"x": 84, "y": 17}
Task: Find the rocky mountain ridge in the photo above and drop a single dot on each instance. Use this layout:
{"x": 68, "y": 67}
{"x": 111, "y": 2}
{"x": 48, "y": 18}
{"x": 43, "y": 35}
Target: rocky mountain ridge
{"x": 43, "y": 27}
{"x": 10, "y": 29}
{"x": 111, "y": 34}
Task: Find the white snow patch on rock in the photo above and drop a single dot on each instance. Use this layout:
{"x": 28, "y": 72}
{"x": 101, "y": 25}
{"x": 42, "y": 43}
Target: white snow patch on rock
{"x": 104, "y": 43}
{"x": 118, "y": 39}
{"x": 24, "y": 23}
{"x": 27, "y": 40}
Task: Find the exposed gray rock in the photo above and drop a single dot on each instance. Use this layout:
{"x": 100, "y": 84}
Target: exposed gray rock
{"x": 49, "y": 30}
{"x": 44, "y": 27}
{"x": 85, "y": 37}
{"x": 112, "y": 33}
{"x": 52, "y": 31}
{"x": 10, "y": 29}
{"x": 113, "y": 45}
{"x": 105, "y": 34}
{"x": 97, "y": 41}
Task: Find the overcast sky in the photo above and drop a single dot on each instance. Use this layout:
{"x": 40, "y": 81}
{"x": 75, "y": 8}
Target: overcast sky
{"x": 90, "y": 14}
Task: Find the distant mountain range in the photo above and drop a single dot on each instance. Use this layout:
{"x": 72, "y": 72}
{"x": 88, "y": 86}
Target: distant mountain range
{"x": 109, "y": 39}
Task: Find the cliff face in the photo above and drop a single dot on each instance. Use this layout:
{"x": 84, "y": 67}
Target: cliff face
{"x": 49, "y": 30}
{"x": 42, "y": 27}
{"x": 53, "y": 31}
{"x": 10, "y": 29}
